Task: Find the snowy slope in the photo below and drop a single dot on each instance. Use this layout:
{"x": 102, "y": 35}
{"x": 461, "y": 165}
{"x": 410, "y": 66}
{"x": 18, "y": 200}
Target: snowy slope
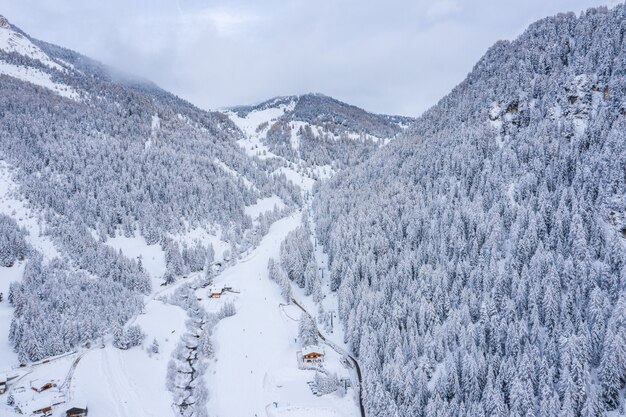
{"x": 256, "y": 360}
{"x": 313, "y": 131}
{"x": 15, "y": 42}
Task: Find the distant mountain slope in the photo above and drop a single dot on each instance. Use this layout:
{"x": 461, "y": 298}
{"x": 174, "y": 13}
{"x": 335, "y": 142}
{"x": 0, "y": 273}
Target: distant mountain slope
{"x": 74, "y": 144}
{"x": 480, "y": 261}
{"x": 317, "y": 130}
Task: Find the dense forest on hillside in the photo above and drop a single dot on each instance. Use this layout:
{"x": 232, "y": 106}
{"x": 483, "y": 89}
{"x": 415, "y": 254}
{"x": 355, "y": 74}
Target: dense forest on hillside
{"x": 107, "y": 154}
{"x": 480, "y": 261}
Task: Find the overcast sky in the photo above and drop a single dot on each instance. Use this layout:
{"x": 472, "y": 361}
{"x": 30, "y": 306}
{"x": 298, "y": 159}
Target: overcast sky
{"x": 392, "y": 56}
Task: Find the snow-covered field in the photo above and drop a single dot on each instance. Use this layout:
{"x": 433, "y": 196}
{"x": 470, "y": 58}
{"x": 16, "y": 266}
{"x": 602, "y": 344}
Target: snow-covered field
{"x": 132, "y": 383}
{"x": 152, "y": 256}
{"x": 256, "y": 349}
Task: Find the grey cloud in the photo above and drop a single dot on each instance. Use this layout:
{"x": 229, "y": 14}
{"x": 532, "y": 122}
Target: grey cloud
{"x": 386, "y": 56}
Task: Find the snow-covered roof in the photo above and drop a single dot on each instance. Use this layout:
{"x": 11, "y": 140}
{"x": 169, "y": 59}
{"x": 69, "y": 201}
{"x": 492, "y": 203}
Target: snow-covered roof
{"x": 40, "y": 383}
{"x": 3, "y": 378}
{"x": 41, "y": 401}
{"x": 76, "y": 404}
{"x": 307, "y": 350}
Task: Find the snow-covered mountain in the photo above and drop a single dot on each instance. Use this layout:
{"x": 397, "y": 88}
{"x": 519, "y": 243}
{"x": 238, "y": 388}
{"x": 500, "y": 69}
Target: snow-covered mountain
{"x": 120, "y": 204}
{"x": 480, "y": 261}
{"x": 314, "y": 131}
{"x": 157, "y": 259}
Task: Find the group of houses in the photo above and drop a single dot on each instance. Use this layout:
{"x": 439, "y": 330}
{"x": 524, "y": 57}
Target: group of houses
{"x": 40, "y": 398}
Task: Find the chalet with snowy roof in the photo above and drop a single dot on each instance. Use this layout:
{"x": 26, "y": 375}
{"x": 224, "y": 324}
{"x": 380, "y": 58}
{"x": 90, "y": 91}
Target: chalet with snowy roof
{"x": 215, "y": 293}
{"x": 312, "y": 354}
{"x": 40, "y": 385}
{"x": 40, "y": 404}
{"x": 77, "y": 410}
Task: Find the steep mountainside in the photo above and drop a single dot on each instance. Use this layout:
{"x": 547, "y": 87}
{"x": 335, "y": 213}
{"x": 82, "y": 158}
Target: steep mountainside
{"x": 89, "y": 156}
{"x": 480, "y": 261}
{"x": 315, "y": 130}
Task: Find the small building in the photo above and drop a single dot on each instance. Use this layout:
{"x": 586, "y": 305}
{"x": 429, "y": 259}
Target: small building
{"x": 80, "y": 411}
{"x": 215, "y": 293}
{"x": 312, "y": 354}
{"x": 3, "y": 383}
{"x": 40, "y": 385}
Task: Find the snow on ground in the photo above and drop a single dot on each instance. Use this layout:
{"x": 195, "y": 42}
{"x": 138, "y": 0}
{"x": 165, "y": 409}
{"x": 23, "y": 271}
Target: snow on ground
{"x": 37, "y": 77}
{"x": 152, "y": 256}
{"x": 12, "y": 41}
{"x": 249, "y": 124}
{"x": 205, "y": 236}
{"x": 296, "y": 411}
{"x": 264, "y": 205}
{"x": 132, "y": 383}
{"x": 256, "y": 362}
{"x": 54, "y": 371}
{"x": 303, "y": 181}
{"x": 252, "y": 120}
{"x": 25, "y": 217}
{"x": 155, "y": 125}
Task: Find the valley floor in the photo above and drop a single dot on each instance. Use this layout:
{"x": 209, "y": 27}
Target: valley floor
{"x": 254, "y": 373}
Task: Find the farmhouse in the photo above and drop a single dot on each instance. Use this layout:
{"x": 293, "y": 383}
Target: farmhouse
{"x": 312, "y": 354}
{"x": 215, "y": 293}
{"x": 39, "y": 385}
{"x": 3, "y": 383}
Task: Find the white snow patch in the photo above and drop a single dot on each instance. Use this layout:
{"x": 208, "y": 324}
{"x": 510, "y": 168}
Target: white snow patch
{"x": 37, "y": 77}
{"x": 132, "y": 383}
{"x": 304, "y": 182}
{"x": 12, "y": 41}
{"x": 205, "y": 236}
{"x": 155, "y": 125}
{"x": 152, "y": 256}
{"x": 252, "y": 120}
{"x": 264, "y": 205}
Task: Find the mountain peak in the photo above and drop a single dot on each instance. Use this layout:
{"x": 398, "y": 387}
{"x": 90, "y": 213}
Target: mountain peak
{"x": 4, "y": 22}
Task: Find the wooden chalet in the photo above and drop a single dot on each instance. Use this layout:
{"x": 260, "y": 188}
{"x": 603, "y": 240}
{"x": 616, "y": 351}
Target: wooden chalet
{"x": 40, "y": 386}
{"x": 312, "y": 354}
